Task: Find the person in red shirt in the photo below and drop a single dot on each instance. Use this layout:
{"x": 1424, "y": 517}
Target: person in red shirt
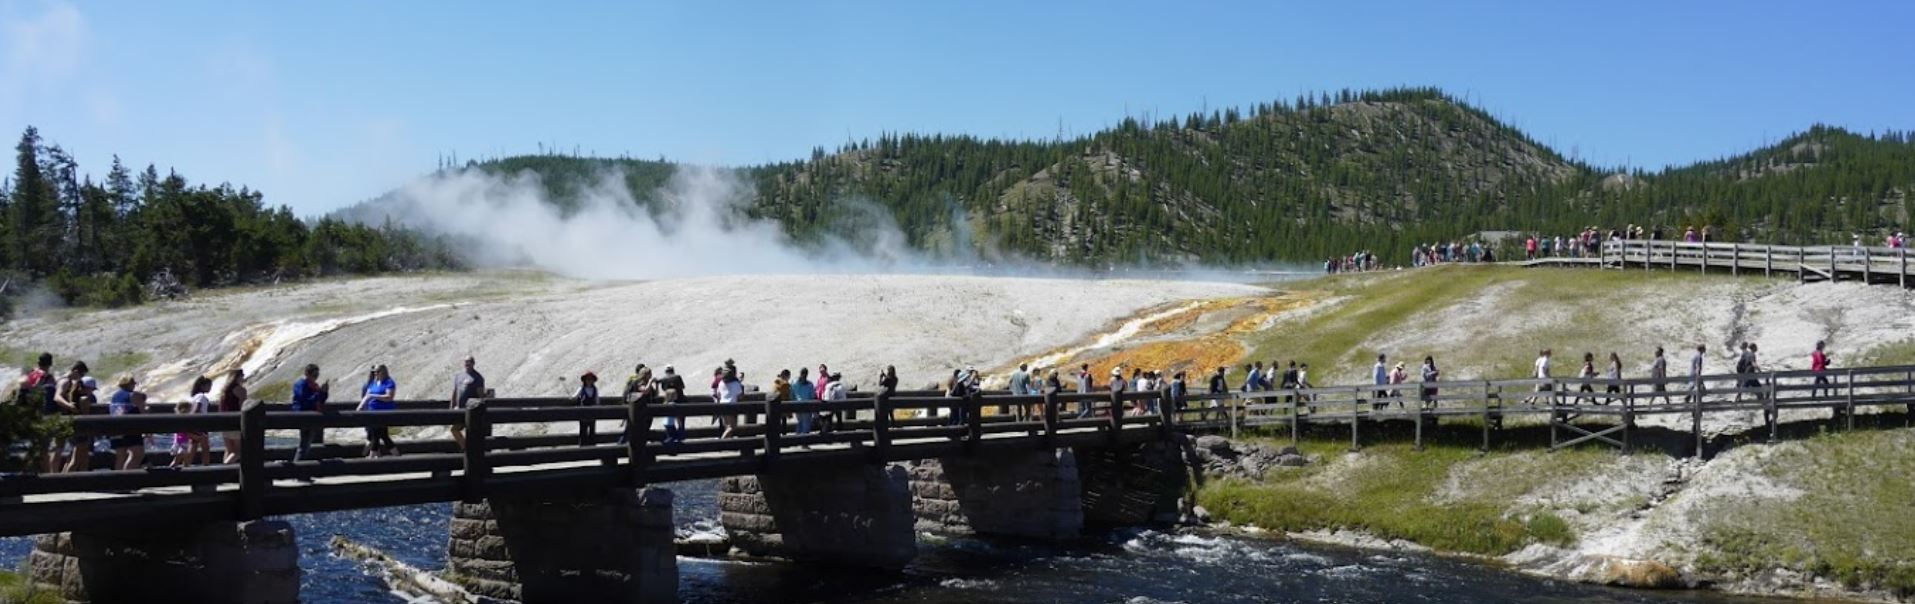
{"x": 1819, "y": 363}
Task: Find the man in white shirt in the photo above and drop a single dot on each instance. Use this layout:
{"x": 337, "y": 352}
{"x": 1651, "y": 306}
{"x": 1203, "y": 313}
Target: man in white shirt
{"x": 1541, "y": 373}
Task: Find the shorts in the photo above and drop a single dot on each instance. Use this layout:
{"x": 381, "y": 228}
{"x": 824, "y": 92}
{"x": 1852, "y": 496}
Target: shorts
{"x": 183, "y": 441}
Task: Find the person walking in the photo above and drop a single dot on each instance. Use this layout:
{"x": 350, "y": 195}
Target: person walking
{"x": 587, "y": 396}
{"x": 1380, "y": 376}
{"x": 1614, "y": 375}
{"x": 1586, "y": 374}
{"x": 381, "y": 394}
{"x": 1397, "y": 377}
{"x": 193, "y": 445}
{"x": 1430, "y": 376}
{"x": 1540, "y": 372}
{"x": 671, "y": 391}
{"x": 309, "y": 396}
{"x": 1695, "y": 373}
{"x": 1659, "y": 371}
{"x": 467, "y": 384}
{"x": 129, "y": 449}
{"x": 1819, "y": 364}
{"x": 232, "y": 398}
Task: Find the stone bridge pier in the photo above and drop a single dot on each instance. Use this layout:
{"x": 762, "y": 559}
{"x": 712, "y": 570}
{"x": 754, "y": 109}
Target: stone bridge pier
{"x": 217, "y": 562}
{"x": 856, "y": 515}
{"x": 1135, "y": 484}
{"x": 1026, "y": 495}
{"x": 611, "y": 547}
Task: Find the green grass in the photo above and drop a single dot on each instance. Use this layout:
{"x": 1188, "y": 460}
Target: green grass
{"x": 276, "y": 392}
{"x": 1893, "y": 353}
{"x": 15, "y": 590}
{"x": 1395, "y": 492}
{"x": 1854, "y": 521}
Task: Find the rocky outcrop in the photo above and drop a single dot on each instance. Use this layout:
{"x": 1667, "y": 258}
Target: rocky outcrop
{"x": 1220, "y": 457}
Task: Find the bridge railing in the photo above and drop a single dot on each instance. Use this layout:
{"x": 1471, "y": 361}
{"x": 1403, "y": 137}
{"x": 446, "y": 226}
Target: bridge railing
{"x": 1864, "y": 261}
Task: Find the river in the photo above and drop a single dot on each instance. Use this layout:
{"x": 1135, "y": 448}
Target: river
{"x": 1129, "y": 566}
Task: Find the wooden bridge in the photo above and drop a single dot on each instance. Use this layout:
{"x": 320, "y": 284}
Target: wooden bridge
{"x": 266, "y": 482}
{"x": 1875, "y": 265}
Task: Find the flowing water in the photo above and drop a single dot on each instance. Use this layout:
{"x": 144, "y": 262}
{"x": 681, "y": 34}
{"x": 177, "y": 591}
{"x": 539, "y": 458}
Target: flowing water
{"x": 1128, "y": 567}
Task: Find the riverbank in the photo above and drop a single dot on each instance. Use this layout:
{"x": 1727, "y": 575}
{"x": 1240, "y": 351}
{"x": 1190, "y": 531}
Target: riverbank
{"x": 1811, "y": 518}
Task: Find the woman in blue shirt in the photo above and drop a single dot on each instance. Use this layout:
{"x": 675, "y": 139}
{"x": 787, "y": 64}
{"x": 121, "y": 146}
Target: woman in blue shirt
{"x": 381, "y": 395}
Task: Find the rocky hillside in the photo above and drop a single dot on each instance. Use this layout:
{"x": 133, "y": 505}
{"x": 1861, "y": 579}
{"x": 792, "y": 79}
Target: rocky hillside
{"x": 1291, "y": 180}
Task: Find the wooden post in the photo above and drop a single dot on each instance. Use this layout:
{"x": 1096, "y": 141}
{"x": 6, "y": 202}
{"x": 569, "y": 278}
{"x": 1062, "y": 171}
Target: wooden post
{"x": 1419, "y": 422}
{"x": 1772, "y": 413}
{"x": 1735, "y": 262}
{"x": 1705, "y": 257}
{"x": 1116, "y": 414}
{"x": 881, "y": 426}
{"x": 1696, "y": 425}
{"x": 1850, "y": 413}
{"x": 1868, "y": 263}
{"x": 1296, "y": 420}
{"x": 1628, "y": 414}
{"x": 1164, "y": 414}
{"x": 774, "y": 428}
{"x": 1903, "y": 271}
{"x": 252, "y": 461}
{"x": 1050, "y": 417}
{"x": 638, "y": 429}
{"x": 1356, "y": 409}
{"x": 1832, "y": 264}
{"x": 1487, "y": 395}
{"x": 1232, "y": 411}
{"x": 1768, "y": 260}
{"x": 478, "y": 430}
{"x": 973, "y": 420}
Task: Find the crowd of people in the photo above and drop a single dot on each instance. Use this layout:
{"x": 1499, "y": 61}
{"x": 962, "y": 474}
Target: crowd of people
{"x": 75, "y": 393}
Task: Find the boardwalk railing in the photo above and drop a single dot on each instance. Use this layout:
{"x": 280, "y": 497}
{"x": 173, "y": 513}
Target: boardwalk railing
{"x": 1561, "y": 402}
{"x": 1811, "y": 263}
{"x": 866, "y": 429}
{"x": 266, "y": 481}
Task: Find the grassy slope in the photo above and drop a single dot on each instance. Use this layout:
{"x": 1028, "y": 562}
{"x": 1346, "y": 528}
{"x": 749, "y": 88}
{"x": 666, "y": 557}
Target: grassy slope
{"x": 1854, "y": 522}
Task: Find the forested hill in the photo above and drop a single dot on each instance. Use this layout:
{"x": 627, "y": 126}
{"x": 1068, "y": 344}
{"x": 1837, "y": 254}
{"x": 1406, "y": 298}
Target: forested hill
{"x": 1292, "y": 180}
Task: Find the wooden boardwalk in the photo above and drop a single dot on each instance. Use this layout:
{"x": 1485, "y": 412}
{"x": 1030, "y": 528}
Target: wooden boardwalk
{"x": 1875, "y": 265}
{"x": 875, "y": 431}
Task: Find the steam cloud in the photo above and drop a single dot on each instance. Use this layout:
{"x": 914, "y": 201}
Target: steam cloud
{"x": 693, "y": 226}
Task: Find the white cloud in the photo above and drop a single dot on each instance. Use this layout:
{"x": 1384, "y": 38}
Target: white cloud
{"x": 51, "y": 43}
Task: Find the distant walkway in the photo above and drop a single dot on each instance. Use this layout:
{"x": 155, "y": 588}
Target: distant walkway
{"x": 1874, "y": 265}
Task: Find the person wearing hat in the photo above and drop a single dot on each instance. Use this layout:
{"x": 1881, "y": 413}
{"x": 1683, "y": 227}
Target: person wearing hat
{"x": 587, "y": 396}
{"x": 1398, "y": 376}
{"x": 1117, "y": 387}
{"x": 129, "y": 450}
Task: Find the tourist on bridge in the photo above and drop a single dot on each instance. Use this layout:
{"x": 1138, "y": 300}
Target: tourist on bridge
{"x": 1613, "y": 374}
{"x": 1117, "y": 387}
{"x": 587, "y": 396}
{"x": 835, "y": 391}
{"x": 309, "y": 396}
{"x": 954, "y": 389}
{"x": 1139, "y": 382}
{"x": 1086, "y": 384}
{"x": 129, "y": 450}
{"x": 1659, "y": 371}
{"x": 728, "y": 386}
{"x": 232, "y": 398}
{"x": 36, "y": 390}
{"x": 1252, "y": 374}
{"x": 1541, "y": 373}
{"x": 804, "y": 391}
{"x": 1587, "y": 373}
{"x": 381, "y": 394}
{"x": 1380, "y": 376}
{"x": 1287, "y": 380}
{"x": 671, "y": 390}
{"x": 74, "y": 398}
{"x": 1021, "y": 386}
{"x": 638, "y": 389}
{"x": 1819, "y": 363}
{"x": 1218, "y": 383}
{"x": 191, "y": 446}
{"x": 824, "y": 381}
{"x": 1178, "y": 389}
{"x": 467, "y": 384}
{"x": 1397, "y": 377}
{"x": 1430, "y": 376}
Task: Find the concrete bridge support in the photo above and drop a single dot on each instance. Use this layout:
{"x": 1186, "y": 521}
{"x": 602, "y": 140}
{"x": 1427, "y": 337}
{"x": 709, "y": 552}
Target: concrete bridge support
{"x": 1134, "y": 485}
{"x": 614, "y": 547}
{"x": 856, "y": 515}
{"x": 1028, "y": 495}
{"x": 219, "y": 563}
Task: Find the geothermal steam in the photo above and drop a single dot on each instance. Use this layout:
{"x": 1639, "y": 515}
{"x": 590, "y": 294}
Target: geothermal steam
{"x": 695, "y": 226}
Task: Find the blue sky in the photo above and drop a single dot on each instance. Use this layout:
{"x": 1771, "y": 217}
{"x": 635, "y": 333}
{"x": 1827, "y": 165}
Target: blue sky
{"x": 321, "y": 104}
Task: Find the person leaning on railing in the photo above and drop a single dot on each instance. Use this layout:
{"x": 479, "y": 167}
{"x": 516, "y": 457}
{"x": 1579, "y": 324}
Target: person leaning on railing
{"x": 309, "y": 395}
